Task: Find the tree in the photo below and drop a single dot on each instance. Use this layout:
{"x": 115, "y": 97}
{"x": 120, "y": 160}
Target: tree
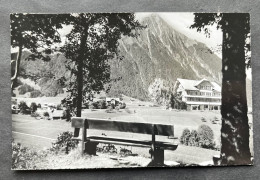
{"x": 93, "y": 41}
{"x": 235, "y": 128}
{"x": 36, "y": 33}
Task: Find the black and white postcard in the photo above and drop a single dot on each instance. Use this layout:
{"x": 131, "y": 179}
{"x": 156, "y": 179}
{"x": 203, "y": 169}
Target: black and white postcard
{"x": 123, "y": 90}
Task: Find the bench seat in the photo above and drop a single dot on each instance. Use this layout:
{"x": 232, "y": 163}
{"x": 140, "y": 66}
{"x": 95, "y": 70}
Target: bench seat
{"x": 131, "y": 142}
{"x": 89, "y": 142}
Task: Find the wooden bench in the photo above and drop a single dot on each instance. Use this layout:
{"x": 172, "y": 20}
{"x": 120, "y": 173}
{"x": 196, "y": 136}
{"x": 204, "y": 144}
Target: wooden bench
{"x": 89, "y": 143}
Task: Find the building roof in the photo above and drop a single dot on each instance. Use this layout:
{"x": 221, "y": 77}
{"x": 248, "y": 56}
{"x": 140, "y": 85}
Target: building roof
{"x": 191, "y": 84}
{"x": 110, "y": 99}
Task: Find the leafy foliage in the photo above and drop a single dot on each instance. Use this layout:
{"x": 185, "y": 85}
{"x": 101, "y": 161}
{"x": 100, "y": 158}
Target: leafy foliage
{"x": 64, "y": 143}
{"x": 236, "y": 55}
{"x": 184, "y": 139}
{"x": 177, "y": 103}
{"x": 25, "y": 158}
{"x": 33, "y": 32}
{"x": 46, "y": 114}
{"x": 194, "y": 138}
{"x": 24, "y": 109}
{"x": 206, "y": 136}
{"x": 203, "y": 20}
{"x": 33, "y": 107}
{"x": 203, "y": 137}
{"x": 93, "y": 41}
{"x": 122, "y": 105}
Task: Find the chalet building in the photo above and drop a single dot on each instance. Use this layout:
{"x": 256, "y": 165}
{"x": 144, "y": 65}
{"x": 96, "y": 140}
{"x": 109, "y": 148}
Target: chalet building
{"x": 114, "y": 101}
{"x": 199, "y": 95}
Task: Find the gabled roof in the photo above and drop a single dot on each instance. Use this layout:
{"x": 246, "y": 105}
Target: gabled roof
{"x": 216, "y": 87}
{"x": 110, "y": 99}
{"x": 199, "y": 82}
{"x": 191, "y": 84}
{"x": 188, "y": 84}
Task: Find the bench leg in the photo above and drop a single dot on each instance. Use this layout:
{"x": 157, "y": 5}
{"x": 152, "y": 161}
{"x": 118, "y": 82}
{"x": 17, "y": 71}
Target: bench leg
{"x": 157, "y": 157}
{"x": 90, "y": 148}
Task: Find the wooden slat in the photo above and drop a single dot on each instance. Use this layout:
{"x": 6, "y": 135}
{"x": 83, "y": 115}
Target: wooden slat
{"x": 111, "y": 125}
{"x": 131, "y": 142}
{"x": 133, "y": 127}
{"x": 123, "y": 126}
{"x": 164, "y": 130}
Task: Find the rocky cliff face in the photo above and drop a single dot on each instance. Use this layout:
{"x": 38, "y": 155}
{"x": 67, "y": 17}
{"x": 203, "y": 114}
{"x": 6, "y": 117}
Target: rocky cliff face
{"x": 151, "y": 65}
{"x": 161, "y": 55}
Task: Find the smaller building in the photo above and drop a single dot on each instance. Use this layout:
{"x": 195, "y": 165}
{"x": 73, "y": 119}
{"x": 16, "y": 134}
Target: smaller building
{"x": 114, "y": 101}
{"x": 199, "y": 94}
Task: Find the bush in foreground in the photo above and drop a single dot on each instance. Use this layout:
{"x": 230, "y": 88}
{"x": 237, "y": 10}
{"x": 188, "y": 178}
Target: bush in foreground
{"x": 184, "y": 139}
{"x": 203, "y": 137}
{"x": 64, "y": 143}
{"x": 25, "y": 158}
{"x": 206, "y": 136}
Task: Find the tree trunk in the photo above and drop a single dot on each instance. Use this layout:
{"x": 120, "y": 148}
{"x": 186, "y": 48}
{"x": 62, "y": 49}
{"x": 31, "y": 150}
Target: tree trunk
{"x": 80, "y": 73}
{"x": 17, "y": 67}
{"x": 235, "y": 129}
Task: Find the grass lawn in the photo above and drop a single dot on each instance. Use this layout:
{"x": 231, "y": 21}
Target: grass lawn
{"x": 40, "y": 133}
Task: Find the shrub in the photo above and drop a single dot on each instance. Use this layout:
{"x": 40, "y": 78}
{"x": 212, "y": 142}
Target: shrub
{"x": 122, "y": 106}
{"x": 184, "y": 139}
{"x": 85, "y": 105}
{"x": 183, "y": 105}
{"x": 93, "y": 105}
{"x": 25, "y": 158}
{"x": 24, "y": 109}
{"x": 46, "y": 114}
{"x": 125, "y": 152}
{"x": 35, "y": 114}
{"x": 33, "y": 107}
{"x": 101, "y": 104}
{"x": 59, "y": 107}
{"x": 194, "y": 138}
{"x": 64, "y": 143}
{"x": 35, "y": 94}
{"x": 113, "y": 106}
{"x": 66, "y": 114}
{"x": 206, "y": 136}
{"x": 39, "y": 105}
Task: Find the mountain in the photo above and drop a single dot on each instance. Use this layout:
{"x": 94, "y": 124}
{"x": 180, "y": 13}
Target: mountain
{"x": 158, "y": 57}
{"x": 45, "y": 73}
{"x": 152, "y": 63}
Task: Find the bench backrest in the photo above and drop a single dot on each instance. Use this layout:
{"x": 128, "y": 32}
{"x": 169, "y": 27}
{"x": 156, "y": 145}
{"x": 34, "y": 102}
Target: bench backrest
{"x": 123, "y": 126}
